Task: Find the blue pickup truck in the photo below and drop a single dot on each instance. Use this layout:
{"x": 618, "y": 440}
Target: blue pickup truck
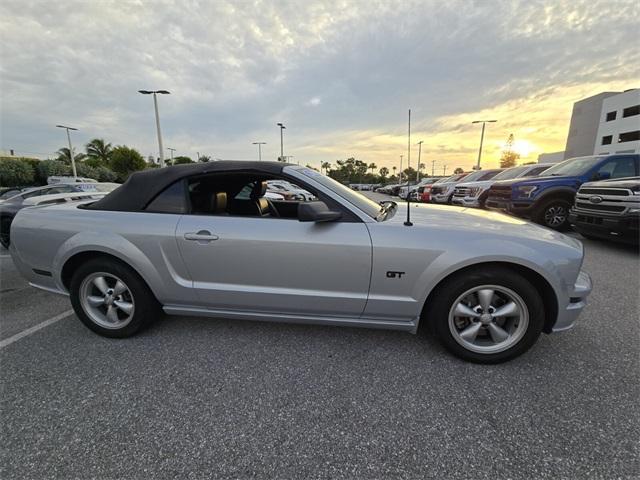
{"x": 548, "y": 198}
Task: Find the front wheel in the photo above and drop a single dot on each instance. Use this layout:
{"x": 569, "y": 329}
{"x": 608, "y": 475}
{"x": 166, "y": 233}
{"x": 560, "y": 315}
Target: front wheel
{"x": 111, "y": 299}
{"x": 487, "y": 316}
{"x": 553, "y": 214}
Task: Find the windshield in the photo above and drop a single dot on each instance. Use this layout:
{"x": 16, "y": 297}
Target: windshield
{"x": 475, "y": 176}
{"x": 510, "y": 173}
{"x": 573, "y": 166}
{"x": 368, "y": 206}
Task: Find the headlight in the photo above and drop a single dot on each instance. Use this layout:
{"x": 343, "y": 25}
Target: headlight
{"x": 527, "y": 190}
{"x": 634, "y": 210}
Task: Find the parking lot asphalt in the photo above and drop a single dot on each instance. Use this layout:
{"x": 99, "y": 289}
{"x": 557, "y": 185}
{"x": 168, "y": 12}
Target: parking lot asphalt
{"x": 207, "y": 398}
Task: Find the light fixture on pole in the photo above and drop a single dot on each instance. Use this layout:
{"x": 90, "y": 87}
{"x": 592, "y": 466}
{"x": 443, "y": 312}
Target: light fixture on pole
{"x": 282, "y": 127}
{"x": 155, "y": 105}
{"x": 419, "y": 154}
{"x": 483, "y": 122}
{"x": 260, "y": 149}
{"x": 171, "y": 150}
{"x": 73, "y": 160}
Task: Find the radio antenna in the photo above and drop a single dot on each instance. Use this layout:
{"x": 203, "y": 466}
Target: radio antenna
{"x": 408, "y": 221}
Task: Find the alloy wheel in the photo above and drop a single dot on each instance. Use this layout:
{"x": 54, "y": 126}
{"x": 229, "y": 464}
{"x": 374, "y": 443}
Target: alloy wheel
{"x": 107, "y": 300}
{"x": 488, "y": 319}
{"x": 555, "y": 215}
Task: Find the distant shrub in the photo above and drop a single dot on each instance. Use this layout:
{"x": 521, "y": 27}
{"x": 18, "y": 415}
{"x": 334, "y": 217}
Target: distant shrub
{"x": 125, "y": 161}
{"x": 15, "y": 172}
{"x": 48, "y": 168}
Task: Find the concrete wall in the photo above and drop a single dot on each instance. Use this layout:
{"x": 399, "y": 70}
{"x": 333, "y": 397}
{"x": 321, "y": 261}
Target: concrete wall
{"x": 553, "y": 157}
{"x": 585, "y": 120}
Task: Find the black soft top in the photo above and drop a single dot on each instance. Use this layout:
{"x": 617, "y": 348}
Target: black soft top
{"x": 142, "y": 187}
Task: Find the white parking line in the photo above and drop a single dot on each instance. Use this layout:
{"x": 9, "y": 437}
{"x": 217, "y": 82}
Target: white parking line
{"x": 35, "y": 328}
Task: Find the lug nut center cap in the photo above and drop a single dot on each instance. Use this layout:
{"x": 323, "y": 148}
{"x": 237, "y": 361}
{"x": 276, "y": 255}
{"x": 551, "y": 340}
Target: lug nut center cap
{"x": 486, "y": 318}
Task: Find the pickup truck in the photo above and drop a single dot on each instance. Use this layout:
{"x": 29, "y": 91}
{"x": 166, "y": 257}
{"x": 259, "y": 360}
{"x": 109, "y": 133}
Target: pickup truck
{"x": 608, "y": 209}
{"x": 548, "y": 198}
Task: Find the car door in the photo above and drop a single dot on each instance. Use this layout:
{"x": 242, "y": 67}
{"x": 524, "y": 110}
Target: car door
{"x": 277, "y": 265}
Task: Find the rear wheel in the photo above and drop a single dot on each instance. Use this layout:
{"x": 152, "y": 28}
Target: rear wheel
{"x": 111, "y": 299}
{"x": 553, "y": 214}
{"x": 5, "y": 231}
{"x": 487, "y": 316}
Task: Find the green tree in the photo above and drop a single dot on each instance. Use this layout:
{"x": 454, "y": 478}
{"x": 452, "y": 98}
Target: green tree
{"x": 204, "y": 158}
{"x": 125, "y": 161}
{"x": 384, "y": 171}
{"x": 48, "y": 168}
{"x": 98, "y": 152}
{"x": 63, "y": 156}
{"x": 409, "y": 174}
{"x": 458, "y": 170}
{"x": 509, "y": 157}
{"x": 372, "y": 167}
{"x": 325, "y": 166}
{"x": 179, "y": 160}
{"x": 15, "y": 172}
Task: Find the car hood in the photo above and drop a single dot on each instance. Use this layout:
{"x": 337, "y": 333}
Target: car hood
{"x": 475, "y": 222}
{"x": 539, "y": 180}
{"x": 480, "y": 183}
{"x": 629, "y": 182}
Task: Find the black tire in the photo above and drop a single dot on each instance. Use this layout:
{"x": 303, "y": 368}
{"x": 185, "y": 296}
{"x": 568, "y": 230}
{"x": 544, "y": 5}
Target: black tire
{"x": 544, "y": 214}
{"x": 5, "y": 231}
{"x": 146, "y": 310}
{"x": 443, "y": 299}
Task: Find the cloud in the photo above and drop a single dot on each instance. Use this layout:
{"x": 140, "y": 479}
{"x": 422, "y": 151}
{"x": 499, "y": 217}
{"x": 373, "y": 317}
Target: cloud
{"x": 341, "y": 75}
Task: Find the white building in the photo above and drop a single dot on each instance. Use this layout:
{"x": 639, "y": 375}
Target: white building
{"x": 619, "y": 126}
{"x": 585, "y": 118}
{"x": 553, "y": 157}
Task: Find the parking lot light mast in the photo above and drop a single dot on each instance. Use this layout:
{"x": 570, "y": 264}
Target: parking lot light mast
{"x": 483, "y": 122}
{"x": 444, "y": 170}
{"x": 282, "y": 127}
{"x": 419, "y": 154}
{"x": 73, "y": 160}
{"x": 172, "y": 150}
{"x": 400, "y": 174}
{"x": 155, "y": 105}
{"x": 433, "y": 167}
{"x": 259, "y": 149}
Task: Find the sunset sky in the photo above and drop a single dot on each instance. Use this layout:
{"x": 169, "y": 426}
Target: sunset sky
{"x": 339, "y": 74}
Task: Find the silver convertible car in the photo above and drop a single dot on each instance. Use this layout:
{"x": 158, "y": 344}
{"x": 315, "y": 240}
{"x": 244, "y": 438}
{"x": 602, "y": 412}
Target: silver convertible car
{"x": 202, "y": 239}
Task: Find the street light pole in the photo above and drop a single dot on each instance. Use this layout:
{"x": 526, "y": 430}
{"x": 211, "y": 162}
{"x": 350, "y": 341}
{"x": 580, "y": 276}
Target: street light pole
{"x": 433, "y": 167}
{"x": 73, "y": 160}
{"x": 155, "y": 106}
{"x": 400, "y": 175}
{"x": 419, "y": 153}
{"x": 260, "y": 149}
{"x": 444, "y": 170}
{"x": 282, "y": 127}
{"x": 483, "y": 122}
{"x": 172, "y": 150}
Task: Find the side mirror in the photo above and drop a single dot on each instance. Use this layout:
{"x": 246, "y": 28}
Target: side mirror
{"x": 316, "y": 211}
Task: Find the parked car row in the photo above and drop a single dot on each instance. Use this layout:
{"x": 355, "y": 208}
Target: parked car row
{"x": 14, "y": 200}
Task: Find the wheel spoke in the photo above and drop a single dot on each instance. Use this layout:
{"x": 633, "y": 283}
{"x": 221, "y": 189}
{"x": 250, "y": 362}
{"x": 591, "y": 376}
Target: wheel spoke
{"x": 126, "y": 307}
{"x": 463, "y": 311}
{"x": 119, "y": 288}
{"x": 95, "y": 300}
{"x": 101, "y": 284}
{"x": 469, "y": 334}
{"x": 484, "y": 297}
{"x": 508, "y": 310}
{"x": 497, "y": 333}
{"x": 112, "y": 314}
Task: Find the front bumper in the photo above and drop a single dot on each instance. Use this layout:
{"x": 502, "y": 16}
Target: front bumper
{"x": 440, "y": 198}
{"x": 521, "y": 209}
{"x": 568, "y": 313}
{"x": 466, "y": 201}
{"x": 621, "y": 227}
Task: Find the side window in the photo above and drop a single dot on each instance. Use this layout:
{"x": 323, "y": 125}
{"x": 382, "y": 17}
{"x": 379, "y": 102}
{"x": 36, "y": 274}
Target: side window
{"x": 619, "y": 168}
{"x": 536, "y": 171}
{"x": 36, "y": 193}
{"x": 171, "y": 200}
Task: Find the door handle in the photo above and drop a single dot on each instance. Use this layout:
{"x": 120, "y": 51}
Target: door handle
{"x": 201, "y": 236}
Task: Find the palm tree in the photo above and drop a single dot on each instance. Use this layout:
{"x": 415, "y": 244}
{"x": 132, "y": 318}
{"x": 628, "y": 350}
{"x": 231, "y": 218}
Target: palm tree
{"x": 372, "y": 167}
{"x": 326, "y": 166}
{"x": 384, "y": 171}
{"x": 394, "y": 170}
{"x": 98, "y": 149}
{"x": 63, "y": 156}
